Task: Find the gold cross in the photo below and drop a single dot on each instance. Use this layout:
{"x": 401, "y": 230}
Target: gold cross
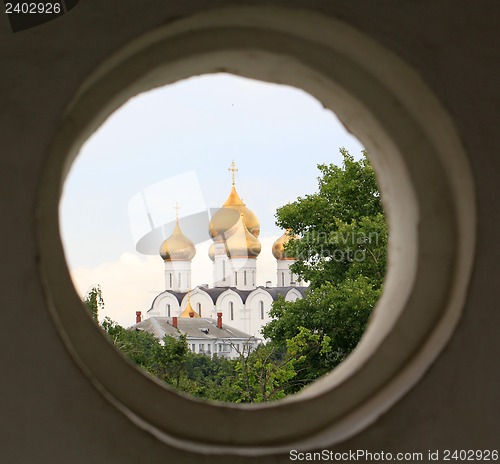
{"x": 233, "y": 169}
{"x": 177, "y": 208}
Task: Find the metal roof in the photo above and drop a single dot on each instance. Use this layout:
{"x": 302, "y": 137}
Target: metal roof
{"x": 215, "y": 292}
{"x": 199, "y": 328}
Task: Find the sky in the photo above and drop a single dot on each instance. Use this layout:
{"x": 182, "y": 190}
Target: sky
{"x": 175, "y": 144}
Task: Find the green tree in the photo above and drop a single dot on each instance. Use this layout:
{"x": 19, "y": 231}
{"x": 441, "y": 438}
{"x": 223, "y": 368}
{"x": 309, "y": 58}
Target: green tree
{"x": 139, "y": 346}
{"x": 174, "y": 357}
{"x": 172, "y": 362}
{"x": 342, "y": 252}
{"x": 94, "y": 302}
{"x": 341, "y": 227}
{"x": 262, "y": 375}
{"x": 213, "y": 378}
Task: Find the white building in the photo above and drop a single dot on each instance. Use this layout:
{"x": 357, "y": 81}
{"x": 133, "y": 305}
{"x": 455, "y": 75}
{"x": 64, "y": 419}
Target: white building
{"x": 234, "y": 230}
{"x": 204, "y": 336}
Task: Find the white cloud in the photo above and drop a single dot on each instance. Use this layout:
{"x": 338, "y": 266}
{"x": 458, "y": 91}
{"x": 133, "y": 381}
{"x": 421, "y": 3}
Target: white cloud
{"x": 128, "y": 285}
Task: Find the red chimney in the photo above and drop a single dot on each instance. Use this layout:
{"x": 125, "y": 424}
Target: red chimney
{"x": 219, "y": 320}
{"x": 174, "y": 322}
{"x": 138, "y": 317}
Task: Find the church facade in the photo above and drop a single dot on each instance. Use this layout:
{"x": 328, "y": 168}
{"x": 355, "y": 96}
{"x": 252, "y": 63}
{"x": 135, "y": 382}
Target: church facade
{"x": 234, "y": 230}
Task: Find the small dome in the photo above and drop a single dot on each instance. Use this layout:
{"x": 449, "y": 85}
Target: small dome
{"x": 279, "y": 246}
{"x": 189, "y": 311}
{"x": 241, "y": 243}
{"x": 177, "y": 247}
{"x": 227, "y": 216}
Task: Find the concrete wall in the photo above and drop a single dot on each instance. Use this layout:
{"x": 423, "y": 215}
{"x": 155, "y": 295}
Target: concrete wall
{"x": 51, "y": 413}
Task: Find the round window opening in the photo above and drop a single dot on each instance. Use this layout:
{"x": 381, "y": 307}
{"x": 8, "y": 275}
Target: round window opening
{"x": 153, "y": 219}
{"x": 427, "y": 192}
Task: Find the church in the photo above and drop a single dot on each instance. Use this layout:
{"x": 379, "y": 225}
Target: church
{"x": 234, "y": 230}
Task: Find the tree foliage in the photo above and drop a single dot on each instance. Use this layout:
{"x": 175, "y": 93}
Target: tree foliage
{"x": 140, "y": 347}
{"x": 341, "y": 227}
{"x": 94, "y": 302}
{"x": 263, "y": 375}
{"x": 255, "y": 376}
{"x": 342, "y": 253}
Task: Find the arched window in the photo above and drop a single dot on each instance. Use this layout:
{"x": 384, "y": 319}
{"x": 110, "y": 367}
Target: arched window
{"x": 235, "y": 278}
{"x": 224, "y": 271}
{"x": 261, "y": 309}
{"x": 231, "y": 311}
{"x": 198, "y": 306}
{"x": 170, "y": 275}
{"x": 179, "y": 280}
{"x": 282, "y": 279}
{"x": 244, "y": 277}
{"x": 168, "y": 306}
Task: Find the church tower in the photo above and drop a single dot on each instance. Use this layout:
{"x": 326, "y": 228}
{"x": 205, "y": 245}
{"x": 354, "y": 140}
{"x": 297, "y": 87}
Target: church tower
{"x": 177, "y": 252}
{"x": 284, "y": 259}
{"x": 243, "y": 249}
{"x": 234, "y": 230}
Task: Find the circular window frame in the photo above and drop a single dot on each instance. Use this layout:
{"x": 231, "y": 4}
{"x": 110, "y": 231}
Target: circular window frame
{"x": 427, "y": 192}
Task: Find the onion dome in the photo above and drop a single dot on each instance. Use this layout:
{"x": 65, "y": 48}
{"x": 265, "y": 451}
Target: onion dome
{"x": 225, "y": 218}
{"x": 222, "y": 221}
{"x": 279, "y": 246}
{"x": 177, "y": 247}
{"x": 249, "y": 218}
{"x": 189, "y": 311}
{"x": 241, "y": 243}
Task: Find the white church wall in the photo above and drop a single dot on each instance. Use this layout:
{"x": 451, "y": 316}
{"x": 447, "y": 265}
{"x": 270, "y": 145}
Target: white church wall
{"x": 283, "y": 274}
{"x": 243, "y": 275}
{"x": 178, "y": 275}
{"x": 233, "y": 310}
{"x": 200, "y": 299}
{"x": 221, "y": 267}
{"x": 258, "y": 303}
{"x": 164, "y": 304}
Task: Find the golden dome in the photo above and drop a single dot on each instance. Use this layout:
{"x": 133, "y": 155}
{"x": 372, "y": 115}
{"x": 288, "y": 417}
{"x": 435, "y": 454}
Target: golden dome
{"x": 189, "y": 311}
{"x": 241, "y": 243}
{"x": 229, "y": 214}
{"x": 177, "y": 247}
{"x": 279, "y": 246}
{"x": 222, "y": 221}
{"x": 225, "y": 217}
